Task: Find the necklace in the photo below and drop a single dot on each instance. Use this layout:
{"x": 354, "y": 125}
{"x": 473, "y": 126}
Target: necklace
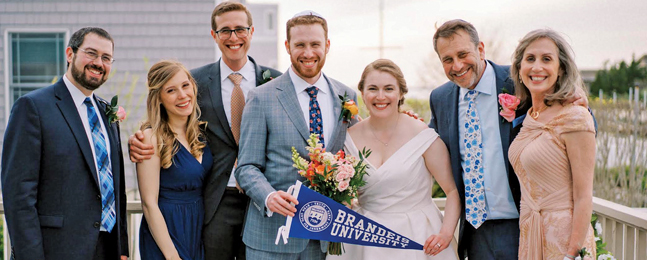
{"x": 391, "y": 135}
{"x": 535, "y": 114}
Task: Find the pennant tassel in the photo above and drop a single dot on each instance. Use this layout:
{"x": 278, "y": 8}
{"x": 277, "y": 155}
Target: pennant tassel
{"x": 285, "y": 229}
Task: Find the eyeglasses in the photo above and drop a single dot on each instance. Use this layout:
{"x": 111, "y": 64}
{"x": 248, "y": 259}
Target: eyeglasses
{"x": 93, "y": 55}
{"x": 225, "y": 34}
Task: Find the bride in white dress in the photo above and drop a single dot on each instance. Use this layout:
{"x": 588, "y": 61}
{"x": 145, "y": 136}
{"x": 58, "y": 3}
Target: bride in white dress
{"x": 405, "y": 155}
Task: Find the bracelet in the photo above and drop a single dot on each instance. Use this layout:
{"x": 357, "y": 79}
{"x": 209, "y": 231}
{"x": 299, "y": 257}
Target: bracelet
{"x": 570, "y": 256}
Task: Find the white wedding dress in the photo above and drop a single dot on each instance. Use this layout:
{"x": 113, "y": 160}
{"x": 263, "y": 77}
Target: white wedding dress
{"x": 398, "y": 196}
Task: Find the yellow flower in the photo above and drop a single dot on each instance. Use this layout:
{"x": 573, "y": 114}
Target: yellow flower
{"x": 350, "y": 105}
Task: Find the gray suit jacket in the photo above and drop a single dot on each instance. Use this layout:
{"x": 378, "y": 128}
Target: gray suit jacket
{"x": 272, "y": 124}
{"x": 444, "y": 119}
{"x": 219, "y": 136}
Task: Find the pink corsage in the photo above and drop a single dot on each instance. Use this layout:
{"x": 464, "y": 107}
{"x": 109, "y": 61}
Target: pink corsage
{"x": 508, "y": 104}
{"x": 115, "y": 113}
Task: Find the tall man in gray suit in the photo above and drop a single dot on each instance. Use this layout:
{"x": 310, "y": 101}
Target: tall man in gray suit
{"x": 279, "y": 115}
{"x": 62, "y": 166}
{"x": 222, "y": 87}
{"x": 493, "y": 234}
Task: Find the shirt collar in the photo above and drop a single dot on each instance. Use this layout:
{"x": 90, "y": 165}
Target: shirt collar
{"x": 76, "y": 93}
{"x": 487, "y": 83}
{"x": 246, "y": 71}
{"x": 301, "y": 85}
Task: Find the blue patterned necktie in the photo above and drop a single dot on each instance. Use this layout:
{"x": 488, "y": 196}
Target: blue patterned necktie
{"x": 475, "y": 208}
{"x": 108, "y": 216}
{"x": 316, "y": 122}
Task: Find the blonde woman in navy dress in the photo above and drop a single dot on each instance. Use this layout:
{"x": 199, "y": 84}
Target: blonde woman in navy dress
{"x": 171, "y": 182}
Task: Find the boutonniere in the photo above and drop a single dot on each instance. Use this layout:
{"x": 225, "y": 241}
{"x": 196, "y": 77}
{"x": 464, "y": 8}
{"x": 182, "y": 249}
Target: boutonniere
{"x": 267, "y": 76}
{"x": 114, "y": 112}
{"x": 348, "y": 108}
{"x": 508, "y": 105}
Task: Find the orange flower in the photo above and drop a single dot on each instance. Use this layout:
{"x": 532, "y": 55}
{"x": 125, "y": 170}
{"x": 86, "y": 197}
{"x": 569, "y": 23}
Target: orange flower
{"x": 350, "y": 105}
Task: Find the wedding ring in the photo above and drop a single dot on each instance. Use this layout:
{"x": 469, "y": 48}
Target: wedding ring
{"x": 438, "y": 245}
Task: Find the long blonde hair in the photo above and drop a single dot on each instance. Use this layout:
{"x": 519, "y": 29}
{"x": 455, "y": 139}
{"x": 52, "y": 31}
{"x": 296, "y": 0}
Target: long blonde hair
{"x": 159, "y": 74}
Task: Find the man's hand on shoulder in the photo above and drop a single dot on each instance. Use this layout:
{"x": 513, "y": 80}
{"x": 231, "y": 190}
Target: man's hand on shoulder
{"x": 137, "y": 149}
{"x": 579, "y": 99}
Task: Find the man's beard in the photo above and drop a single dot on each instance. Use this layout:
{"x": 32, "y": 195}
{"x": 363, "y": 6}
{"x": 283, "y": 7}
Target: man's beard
{"x": 82, "y": 79}
{"x": 304, "y": 72}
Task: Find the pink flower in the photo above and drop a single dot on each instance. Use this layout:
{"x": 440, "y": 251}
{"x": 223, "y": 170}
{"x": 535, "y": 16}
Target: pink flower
{"x": 508, "y": 104}
{"x": 507, "y": 114}
{"x": 347, "y": 169}
{"x": 343, "y": 185}
{"x": 121, "y": 114}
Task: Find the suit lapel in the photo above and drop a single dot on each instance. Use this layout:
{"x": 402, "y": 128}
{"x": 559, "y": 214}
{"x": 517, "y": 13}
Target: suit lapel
{"x": 288, "y": 99}
{"x": 114, "y": 141}
{"x": 67, "y": 107}
{"x": 454, "y": 140}
{"x": 259, "y": 72}
{"x": 215, "y": 92}
{"x": 340, "y": 127}
{"x": 505, "y": 127}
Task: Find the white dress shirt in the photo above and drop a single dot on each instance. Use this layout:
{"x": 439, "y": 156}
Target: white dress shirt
{"x": 324, "y": 98}
{"x": 78, "y": 98}
{"x": 227, "y": 87}
{"x": 498, "y": 196}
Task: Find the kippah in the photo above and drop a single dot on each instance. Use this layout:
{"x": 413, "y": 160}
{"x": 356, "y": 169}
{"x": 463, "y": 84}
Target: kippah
{"x": 308, "y": 12}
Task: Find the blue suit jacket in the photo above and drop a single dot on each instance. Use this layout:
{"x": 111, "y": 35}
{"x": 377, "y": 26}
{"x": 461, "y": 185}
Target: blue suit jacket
{"x": 51, "y": 194}
{"x": 443, "y": 102}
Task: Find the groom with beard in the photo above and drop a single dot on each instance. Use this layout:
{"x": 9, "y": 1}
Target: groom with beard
{"x": 279, "y": 115}
{"x": 62, "y": 165}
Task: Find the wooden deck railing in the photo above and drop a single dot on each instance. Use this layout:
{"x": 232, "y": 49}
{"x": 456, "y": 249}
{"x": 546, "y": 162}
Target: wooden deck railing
{"x": 624, "y": 228}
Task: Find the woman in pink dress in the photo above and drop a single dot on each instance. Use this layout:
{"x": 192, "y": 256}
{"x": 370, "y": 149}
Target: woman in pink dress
{"x": 554, "y": 154}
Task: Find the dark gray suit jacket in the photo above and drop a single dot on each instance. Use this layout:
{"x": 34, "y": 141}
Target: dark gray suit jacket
{"x": 443, "y": 102}
{"x": 51, "y": 194}
{"x": 219, "y": 136}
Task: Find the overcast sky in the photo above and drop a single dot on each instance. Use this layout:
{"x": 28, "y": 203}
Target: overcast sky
{"x": 598, "y": 30}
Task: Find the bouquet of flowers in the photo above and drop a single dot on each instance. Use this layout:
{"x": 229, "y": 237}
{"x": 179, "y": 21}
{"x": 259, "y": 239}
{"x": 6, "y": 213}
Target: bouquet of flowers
{"x": 337, "y": 176}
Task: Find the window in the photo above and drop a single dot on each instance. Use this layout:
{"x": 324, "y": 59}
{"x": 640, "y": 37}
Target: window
{"x": 270, "y": 21}
{"x": 35, "y": 61}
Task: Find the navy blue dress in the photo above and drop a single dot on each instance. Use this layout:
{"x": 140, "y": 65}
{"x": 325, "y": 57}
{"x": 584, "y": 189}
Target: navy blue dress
{"x": 181, "y": 203}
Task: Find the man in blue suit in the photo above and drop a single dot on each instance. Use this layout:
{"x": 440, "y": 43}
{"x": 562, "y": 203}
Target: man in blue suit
{"x": 62, "y": 165}
{"x": 493, "y": 234}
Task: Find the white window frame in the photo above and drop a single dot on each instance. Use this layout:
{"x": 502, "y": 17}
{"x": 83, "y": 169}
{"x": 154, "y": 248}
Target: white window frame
{"x": 7, "y": 78}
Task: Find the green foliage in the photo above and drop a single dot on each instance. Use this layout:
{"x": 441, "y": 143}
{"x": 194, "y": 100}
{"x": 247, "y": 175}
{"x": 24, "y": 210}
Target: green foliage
{"x": 599, "y": 244}
{"x": 437, "y": 192}
{"x": 619, "y": 77}
{"x": 418, "y": 106}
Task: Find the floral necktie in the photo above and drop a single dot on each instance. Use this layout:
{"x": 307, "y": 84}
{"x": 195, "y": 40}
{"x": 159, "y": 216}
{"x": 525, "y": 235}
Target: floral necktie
{"x": 475, "y": 208}
{"x": 316, "y": 122}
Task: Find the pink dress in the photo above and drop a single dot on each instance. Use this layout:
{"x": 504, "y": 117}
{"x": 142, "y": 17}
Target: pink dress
{"x": 538, "y": 155}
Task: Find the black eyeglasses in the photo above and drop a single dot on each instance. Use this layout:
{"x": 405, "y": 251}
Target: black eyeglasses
{"x": 225, "y": 34}
{"x": 93, "y": 55}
